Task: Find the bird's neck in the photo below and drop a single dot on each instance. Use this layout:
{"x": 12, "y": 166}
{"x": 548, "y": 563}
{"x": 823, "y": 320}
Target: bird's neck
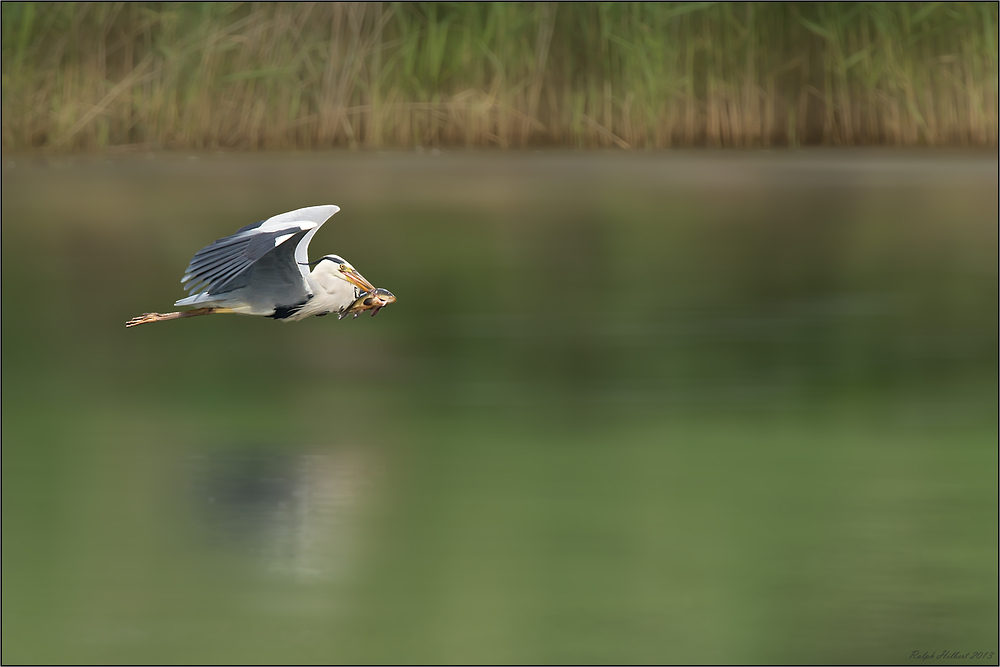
{"x": 331, "y": 294}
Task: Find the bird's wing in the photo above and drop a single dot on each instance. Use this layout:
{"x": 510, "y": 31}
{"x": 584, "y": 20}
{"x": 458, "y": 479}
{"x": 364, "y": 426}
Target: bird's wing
{"x": 302, "y": 248}
{"x": 216, "y": 267}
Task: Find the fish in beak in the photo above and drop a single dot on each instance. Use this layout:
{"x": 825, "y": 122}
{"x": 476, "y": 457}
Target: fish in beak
{"x": 372, "y": 300}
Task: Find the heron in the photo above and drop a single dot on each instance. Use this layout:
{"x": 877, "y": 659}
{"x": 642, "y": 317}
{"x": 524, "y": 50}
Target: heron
{"x": 264, "y": 269}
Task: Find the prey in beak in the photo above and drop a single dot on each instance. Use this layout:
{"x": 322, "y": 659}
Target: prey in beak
{"x": 372, "y": 300}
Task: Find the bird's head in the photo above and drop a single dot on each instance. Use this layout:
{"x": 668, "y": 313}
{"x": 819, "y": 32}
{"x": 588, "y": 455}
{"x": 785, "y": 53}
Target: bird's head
{"x": 341, "y": 268}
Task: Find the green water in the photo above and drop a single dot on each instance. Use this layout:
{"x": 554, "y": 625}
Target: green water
{"x": 628, "y": 408}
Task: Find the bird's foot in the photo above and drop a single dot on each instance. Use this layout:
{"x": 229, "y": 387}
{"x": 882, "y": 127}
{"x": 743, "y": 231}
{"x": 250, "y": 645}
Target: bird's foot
{"x": 160, "y": 317}
{"x": 144, "y": 318}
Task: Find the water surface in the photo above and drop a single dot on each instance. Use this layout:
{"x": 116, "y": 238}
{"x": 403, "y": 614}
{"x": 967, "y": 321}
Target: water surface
{"x": 681, "y": 407}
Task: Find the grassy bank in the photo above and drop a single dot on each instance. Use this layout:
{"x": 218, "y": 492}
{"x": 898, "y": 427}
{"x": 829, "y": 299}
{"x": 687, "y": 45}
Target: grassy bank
{"x": 81, "y": 76}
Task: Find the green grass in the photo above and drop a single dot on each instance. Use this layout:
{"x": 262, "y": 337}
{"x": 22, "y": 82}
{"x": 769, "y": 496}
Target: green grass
{"x": 82, "y": 76}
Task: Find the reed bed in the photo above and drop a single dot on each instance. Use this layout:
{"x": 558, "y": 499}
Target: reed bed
{"x": 85, "y": 76}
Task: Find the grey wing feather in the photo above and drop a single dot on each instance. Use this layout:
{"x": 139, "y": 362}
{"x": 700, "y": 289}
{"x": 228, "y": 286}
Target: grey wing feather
{"x": 273, "y": 281}
{"x": 214, "y": 267}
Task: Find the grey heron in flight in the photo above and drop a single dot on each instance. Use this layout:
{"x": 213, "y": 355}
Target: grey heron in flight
{"x": 264, "y": 269}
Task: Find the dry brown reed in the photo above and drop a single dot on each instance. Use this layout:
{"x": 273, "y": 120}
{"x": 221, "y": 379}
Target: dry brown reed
{"x": 83, "y": 76}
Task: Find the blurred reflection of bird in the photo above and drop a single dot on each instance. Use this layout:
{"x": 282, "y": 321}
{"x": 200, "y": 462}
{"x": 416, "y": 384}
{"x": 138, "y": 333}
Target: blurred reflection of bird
{"x": 292, "y": 509}
{"x": 263, "y": 269}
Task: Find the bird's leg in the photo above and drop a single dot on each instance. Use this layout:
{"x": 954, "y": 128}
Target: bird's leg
{"x": 160, "y": 317}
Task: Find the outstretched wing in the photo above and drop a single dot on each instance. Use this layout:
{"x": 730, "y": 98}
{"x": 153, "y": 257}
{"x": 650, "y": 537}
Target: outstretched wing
{"x": 215, "y": 267}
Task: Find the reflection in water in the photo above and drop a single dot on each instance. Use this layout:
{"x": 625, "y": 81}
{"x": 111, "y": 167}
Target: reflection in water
{"x": 291, "y": 509}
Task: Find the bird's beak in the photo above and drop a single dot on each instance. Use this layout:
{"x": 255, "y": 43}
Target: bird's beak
{"x": 352, "y": 276}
